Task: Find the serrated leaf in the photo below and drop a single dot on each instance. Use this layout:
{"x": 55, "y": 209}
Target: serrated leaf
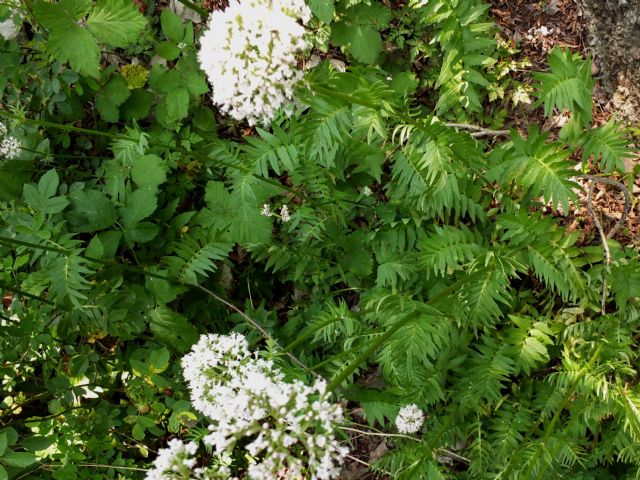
{"x": 323, "y": 9}
{"x": 168, "y": 50}
{"x": 171, "y": 25}
{"x": 116, "y": 22}
{"x": 177, "y": 103}
{"x": 140, "y": 204}
{"x": 137, "y": 105}
{"x": 75, "y": 45}
{"x": 148, "y": 171}
{"x": 48, "y": 184}
{"x": 114, "y": 94}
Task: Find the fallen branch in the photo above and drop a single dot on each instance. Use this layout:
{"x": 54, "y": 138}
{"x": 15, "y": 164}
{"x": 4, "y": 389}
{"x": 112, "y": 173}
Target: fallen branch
{"x": 478, "y": 132}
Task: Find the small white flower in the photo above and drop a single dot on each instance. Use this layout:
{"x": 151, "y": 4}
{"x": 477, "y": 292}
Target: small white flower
{"x": 10, "y": 148}
{"x": 366, "y": 191}
{"x": 266, "y": 210}
{"x": 409, "y": 419}
{"x": 284, "y": 214}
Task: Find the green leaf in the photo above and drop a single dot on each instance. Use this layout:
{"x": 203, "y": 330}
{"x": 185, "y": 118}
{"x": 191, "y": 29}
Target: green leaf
{"x": 168, "y": 50}
{"x": 363, "y": 41}
{"x": 104, "y": 245}
{"x": 148, "y": 171}
{"x": 92, "y": 210}
{"x": 137, "y": 105}
{"x": 323, "y": 9}
{"x": 75, "y": 45}
{"x": 177, "y": 102}
{"x": 48, "y": 184}
{"x": 4, "y": 443}
{"x": 3, "y": 473}
{"x": 37, "y": 443}
{"x": 18, "y": 459}
{"x": 140, "y": 204}
{"x": 195, "y": 83}
{"x": 116, "y": 22}
{"x": 137, "y": 432}
{"x": 171, "y": 25}
{"x": 172, "y": 328}
{"x": 114, "y": 94}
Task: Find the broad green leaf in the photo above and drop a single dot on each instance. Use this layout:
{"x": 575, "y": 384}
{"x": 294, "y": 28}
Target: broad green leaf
{"x": 177, "y": 102}
{"x": 114, "y": 94}
{"x": 116, "y": 22}
{"x": 48, "y": 184}
{"x": 37, "y": 443}
{"x": 323, "y": 9}
{"x": 148, "y": 171}
{"x": 3, "y": 443}
{"x": 3, "y": 473}
{"x": 195, "y": 83}
{"x": 92, "y": 210}
{"x": 137, "y": 432}
{"x": 75, "y": 45}
{"x": 104, "y": 245}
{"x": 18, "y": 459}
{"x": 137, "y": 105}
{"x": 140, "y": 204}
{"x": 168, "y": 50}
{"x": 171, "y": 25}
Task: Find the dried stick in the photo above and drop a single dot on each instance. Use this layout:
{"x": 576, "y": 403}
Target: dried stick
{"x": 478, "y": 131}
{"x": 604, "y": 237}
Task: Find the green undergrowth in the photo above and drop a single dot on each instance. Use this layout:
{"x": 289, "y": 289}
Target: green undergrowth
{"x": 417, "y": 266}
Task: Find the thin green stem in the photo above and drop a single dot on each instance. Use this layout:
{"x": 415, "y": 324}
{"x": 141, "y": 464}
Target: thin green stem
{"x": 68, "y": 128}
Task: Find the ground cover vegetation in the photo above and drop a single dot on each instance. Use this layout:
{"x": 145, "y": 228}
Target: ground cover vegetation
{"x": 236, "y": 250}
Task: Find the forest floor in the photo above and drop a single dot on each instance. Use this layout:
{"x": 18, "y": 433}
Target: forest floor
{"x": 535, "y": 28}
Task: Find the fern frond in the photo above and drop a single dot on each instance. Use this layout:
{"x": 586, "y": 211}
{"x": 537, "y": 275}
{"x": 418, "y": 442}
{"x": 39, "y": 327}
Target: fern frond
{"x": 608, "y": 146}
{"x": 482, "y": 296}
{"x": 275, "y": 150}
{"x": 543, "y": 168}
{"x": 568, "y": 86}
{"x": 193, "y": 259}
{"x": 327, "y": 126}
{"x": 448, "y": 249}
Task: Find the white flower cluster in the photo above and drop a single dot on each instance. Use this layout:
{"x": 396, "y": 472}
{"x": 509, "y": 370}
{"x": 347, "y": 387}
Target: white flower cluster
{"x": 249, "y": 55}
{"x": 285, "y": 215}
{"x": 175, "y": 461}
{"x": 10, "y": 28}
{"x": 409, "y": 419}
{"x": 10, "y": 146}
{"x": 288, "y": 427}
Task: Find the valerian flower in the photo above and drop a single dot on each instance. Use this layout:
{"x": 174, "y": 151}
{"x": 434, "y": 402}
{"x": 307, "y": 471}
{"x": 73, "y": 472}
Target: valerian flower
{"x": 10, "y": 148}
{"x": 409, "y": 419}
{"x": 249, "y": 53}
{"x": 284, "y": 214}
{"x": 286, "y": 427}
